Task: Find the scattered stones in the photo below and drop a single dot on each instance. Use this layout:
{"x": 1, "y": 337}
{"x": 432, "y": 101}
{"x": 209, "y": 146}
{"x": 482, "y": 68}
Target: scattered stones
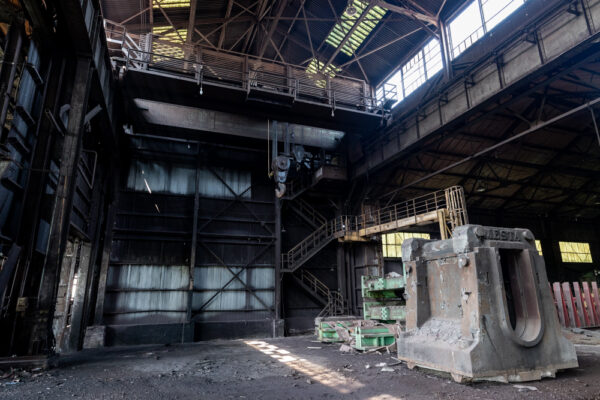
{"x": 346, "y": 349}
{"x": 525, "y": 388}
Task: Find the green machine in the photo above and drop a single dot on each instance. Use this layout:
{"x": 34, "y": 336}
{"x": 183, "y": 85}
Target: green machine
{"x": 390, "y": 312}
{"x": 327, "y": 328}
{"x": 383, "y": 302}
{"x": 378, "y": 287}
{"x": 328, "y": 331}
{"x": 383, "y": 309}
{"x": 383, "y": 298}
{"x": 368, "y": 338}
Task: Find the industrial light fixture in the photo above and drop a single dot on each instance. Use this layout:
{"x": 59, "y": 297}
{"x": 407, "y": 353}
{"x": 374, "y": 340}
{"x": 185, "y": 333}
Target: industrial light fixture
{"x": 350, "y": 9}
{"x": 480, "y": 188}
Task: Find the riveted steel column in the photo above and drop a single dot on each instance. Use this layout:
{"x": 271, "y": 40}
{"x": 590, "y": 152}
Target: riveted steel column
{"x": 61, "y": 215}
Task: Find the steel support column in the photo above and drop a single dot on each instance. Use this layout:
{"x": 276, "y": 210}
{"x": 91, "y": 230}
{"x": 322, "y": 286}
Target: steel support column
{"x": 105, "y": 257}
{"x": 278, "y": 275}
{"x": 61, "y": 215}
{"x": 341, "y": 271}
{"x": 194, "y": 244}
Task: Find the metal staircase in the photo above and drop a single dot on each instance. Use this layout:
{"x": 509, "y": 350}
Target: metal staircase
{"x": 312, "y": 244}
{"x": 333, "y": 299}
{"x": 296, "y": 187}
{"x": 447, "y": 207}
{"x": 308, "y": 213}
{"x": 121, "y": 44}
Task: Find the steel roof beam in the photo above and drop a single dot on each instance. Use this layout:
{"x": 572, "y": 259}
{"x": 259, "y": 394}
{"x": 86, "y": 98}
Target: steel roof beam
{"x": 420, "y": 16}
{"x": 268, "y": 38}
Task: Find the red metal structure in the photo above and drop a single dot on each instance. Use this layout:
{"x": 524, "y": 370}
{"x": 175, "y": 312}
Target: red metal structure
{"x": 578, "y": 305}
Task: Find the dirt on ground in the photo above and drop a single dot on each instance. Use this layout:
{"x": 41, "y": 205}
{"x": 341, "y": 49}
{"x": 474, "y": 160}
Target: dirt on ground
{"x": 285, "y": 368}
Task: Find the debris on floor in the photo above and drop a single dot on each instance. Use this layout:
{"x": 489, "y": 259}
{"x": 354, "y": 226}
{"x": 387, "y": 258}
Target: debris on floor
{"x": 582, "y": 336}
{"x": 524, "y": 388}
{"x": 225, "y": 369}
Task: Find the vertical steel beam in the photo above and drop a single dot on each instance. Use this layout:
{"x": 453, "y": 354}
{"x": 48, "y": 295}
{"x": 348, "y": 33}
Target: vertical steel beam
{"x": 105, "y": 258}
{"x": 72, "y": 343}
{"x": 341, "y": 272}
{"x": 278, "y": 276}
{"x": 194, "y": 244}
{"x": 33, "y": 197}
{"x": 446, "y": 51}
{"x": 61, "y": 214}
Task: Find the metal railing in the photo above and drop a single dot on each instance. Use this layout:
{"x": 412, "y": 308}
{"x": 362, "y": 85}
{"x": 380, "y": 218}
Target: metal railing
{"x": 314, "y": 242}
{"x": 151, "y": 52}
{"x": 315, "y": 216}
{"x": 450, "y": 200}
{"x": 335, "y": 305}
{"x": 335, "y": 301}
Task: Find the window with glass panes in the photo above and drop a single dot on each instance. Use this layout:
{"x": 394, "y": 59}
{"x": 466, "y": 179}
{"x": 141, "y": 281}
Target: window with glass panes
{"x": 392, "y": 242}
{"x": 575, "y": 252}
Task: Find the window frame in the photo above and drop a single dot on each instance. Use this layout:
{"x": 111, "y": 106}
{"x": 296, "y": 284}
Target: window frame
{"x": 398, "y": 246}
{"x": 586, "y": 252}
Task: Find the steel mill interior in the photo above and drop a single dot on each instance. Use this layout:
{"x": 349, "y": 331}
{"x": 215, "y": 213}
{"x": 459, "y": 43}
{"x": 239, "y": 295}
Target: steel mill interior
{"x": 300, "y": 199}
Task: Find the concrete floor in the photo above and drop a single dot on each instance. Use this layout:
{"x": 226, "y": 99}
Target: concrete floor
{"x": 287, "y": 368}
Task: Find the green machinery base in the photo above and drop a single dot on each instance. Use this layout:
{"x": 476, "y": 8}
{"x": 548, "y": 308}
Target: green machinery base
{"x": 368, "y": 338}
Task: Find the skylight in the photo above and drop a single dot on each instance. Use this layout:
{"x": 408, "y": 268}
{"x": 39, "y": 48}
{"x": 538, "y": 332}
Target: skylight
{"x": 170, "y": 3}
{"x": 433, "y": 57}
{"x": 424, "y": 65}
{"x": 473, "y": 22}
{"x": 495, "y": 11}
{"x": 468, "y": 26}
{"x": 168, "y": 34}
{"x": 364, "y": 28}
{"x": 413, "y": 73}
{"x": 319, "y": 77}
{"x": 466, "y": 29}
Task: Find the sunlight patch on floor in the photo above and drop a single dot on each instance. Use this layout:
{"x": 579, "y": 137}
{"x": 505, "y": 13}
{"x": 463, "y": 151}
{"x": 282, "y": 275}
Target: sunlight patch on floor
{"x": 316, "y": 372}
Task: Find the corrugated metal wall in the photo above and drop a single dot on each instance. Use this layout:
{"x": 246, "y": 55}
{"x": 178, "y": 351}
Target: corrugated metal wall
{"x": 149, "y": 275}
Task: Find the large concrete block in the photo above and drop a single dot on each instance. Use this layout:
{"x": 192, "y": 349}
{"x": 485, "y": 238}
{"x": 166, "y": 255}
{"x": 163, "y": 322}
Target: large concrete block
{"x": 479, "y": 307}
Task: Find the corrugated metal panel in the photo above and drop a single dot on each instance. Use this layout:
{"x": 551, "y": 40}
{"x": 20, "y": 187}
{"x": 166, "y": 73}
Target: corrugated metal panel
{"x": 229, "y": 301}
{"x": 164, "y": 177}
{"x": 148, "y": 277}
{"x": 267, "y": 297}
{"x": 217, "y": 277}
{"x": 146, "y": 318}
{"x": 134, "y": 294}
{"x": 160, "y": 177}
{"x": 238, "y": 181}
{"x": 146, "y": 301}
